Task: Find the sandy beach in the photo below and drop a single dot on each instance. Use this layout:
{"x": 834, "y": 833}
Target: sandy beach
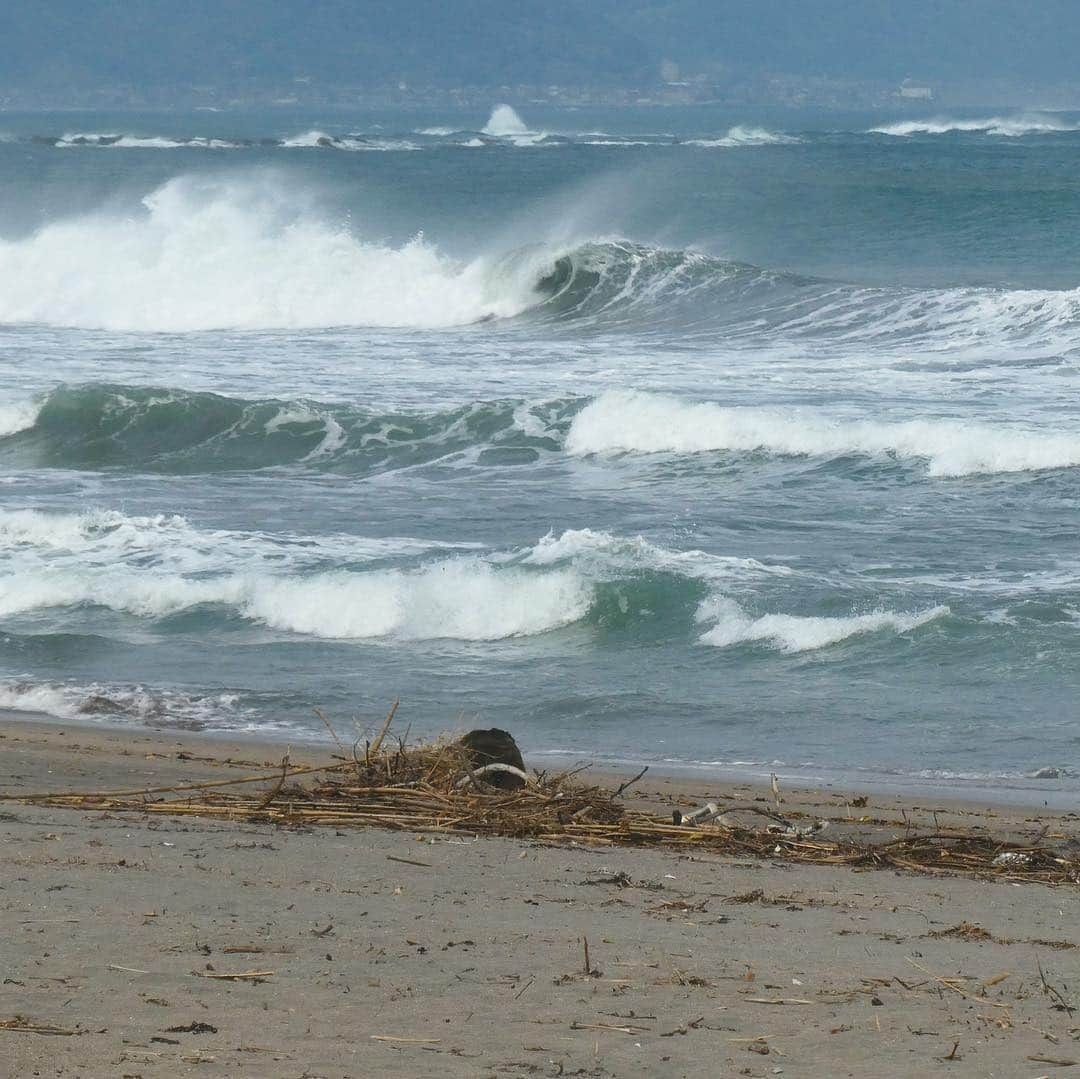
{"x": 159, "y": 946}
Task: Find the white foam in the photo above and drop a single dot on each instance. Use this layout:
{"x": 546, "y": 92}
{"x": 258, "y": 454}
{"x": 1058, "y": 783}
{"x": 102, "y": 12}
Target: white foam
{"x": 461, "y": 599}
{"x": 635, "y": 422}
{"x": 66, "y": 701}
{"x": 604, "y": 555}
{"x": 793, "y": 633}
{"x": 241, "y": 253}
{"x": 16, "y": 416}
{"x": 155, "y": 567}
{"x": 321, "y": 140}
{"x": 308, "y": 139}
{"x": 745, "y": 136}
{"x": 1004, "y": 126}
{"x": 465, "y": 599}
{"x": 505, "y": 123}
{"x": 51, "y": 541}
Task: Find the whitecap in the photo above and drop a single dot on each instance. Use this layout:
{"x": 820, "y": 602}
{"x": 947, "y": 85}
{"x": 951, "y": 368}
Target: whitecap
{"x": 795, "y": 633}
{"x": 636, "y": 422}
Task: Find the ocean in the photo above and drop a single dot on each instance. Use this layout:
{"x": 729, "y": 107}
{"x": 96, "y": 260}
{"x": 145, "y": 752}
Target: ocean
{"x": 729, "y": 441}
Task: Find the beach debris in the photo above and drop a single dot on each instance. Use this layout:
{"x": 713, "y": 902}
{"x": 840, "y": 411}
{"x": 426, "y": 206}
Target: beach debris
{"x": 1011, "y": 859}
{"x": 494, "y": 755}
{"x": 24, "y": 1025}
{"x": 708, "y": 812}
{"x": 417, "y": 788}
{"x": 194, "y": 1027}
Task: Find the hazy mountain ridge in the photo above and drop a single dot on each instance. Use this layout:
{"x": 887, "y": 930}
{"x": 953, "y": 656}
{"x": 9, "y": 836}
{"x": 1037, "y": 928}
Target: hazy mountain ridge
{"x": 64, "y": 49}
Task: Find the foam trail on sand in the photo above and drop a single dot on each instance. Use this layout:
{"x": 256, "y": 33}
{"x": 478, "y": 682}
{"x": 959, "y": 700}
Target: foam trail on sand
{"x": 792, "y": 633}
{"x": 635, "y": 422}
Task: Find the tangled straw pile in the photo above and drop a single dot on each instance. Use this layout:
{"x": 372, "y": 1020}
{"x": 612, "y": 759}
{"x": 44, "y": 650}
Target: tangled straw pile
{"x": 432, "y": 788}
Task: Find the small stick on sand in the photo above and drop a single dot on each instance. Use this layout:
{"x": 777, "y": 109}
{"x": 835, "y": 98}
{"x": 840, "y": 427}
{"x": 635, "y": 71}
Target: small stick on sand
{"x": 385, "y": 727}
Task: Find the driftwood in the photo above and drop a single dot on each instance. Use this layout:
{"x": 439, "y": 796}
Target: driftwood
{"x": 436, "y": 788}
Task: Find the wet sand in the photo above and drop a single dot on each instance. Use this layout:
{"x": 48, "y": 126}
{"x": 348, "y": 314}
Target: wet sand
{"x": 126, "y": 934}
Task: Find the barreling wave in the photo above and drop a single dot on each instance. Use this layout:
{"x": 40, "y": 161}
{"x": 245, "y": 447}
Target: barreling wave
{"x": 634, "y": 422}
{"x": 246, "y": 254}
{"x": 1001, "y": 126}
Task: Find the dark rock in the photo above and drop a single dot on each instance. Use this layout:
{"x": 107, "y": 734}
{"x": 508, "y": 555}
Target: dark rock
{"x": 495, "y": 747}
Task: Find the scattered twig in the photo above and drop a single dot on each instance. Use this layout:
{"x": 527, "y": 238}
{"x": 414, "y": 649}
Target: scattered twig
{"x": 407, "y": 861}
{"x": 630, "y": 782}
{"x": 1062, "y": 1003}
{"x": 385, "y": 727}
{"x": 252, "y": 975}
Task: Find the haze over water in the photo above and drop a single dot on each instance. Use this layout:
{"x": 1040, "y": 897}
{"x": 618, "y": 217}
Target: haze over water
{"x": 724, "y": 440}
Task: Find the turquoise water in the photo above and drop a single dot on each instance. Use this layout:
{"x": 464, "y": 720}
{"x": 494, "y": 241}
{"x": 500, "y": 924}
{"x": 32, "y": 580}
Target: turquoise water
{"x": 731, "y": 441}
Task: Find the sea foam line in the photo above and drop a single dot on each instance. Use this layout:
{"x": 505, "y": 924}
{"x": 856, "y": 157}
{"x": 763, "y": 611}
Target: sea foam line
{"x": 637, "y": 422}
{"x": 797, "y": 633}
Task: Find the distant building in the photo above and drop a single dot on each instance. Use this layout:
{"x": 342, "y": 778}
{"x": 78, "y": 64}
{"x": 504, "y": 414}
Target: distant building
{"x": 915, "y": 92}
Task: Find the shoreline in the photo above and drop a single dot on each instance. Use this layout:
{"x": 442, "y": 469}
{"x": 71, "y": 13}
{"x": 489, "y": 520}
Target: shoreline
{"x": 1035, "y": 795}
{"x": 179, "y": 945}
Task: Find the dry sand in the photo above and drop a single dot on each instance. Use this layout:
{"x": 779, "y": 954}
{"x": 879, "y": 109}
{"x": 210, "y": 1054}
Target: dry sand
{"x": 471, "y": 963}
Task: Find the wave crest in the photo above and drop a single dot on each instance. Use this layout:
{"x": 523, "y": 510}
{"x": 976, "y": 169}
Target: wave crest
{"x": 635, "y": 422}
{"x": 1002, "y": 126}
{"x": 231, "y": 254}
{"x": 794, "y": 633}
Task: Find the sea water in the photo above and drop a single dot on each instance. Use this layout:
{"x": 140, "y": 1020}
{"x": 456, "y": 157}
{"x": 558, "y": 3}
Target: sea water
{"x": 721, "y": 440}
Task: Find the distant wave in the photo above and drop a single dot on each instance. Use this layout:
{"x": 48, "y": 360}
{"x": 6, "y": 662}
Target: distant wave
{"x": 1004, "y": 126}
{"x": 745, "y": 136}
{"x": 631, "y": 422}
{"x": 321, "y": 140}
{"x": 139, "y": 142}
{"x": 792, "y": 633}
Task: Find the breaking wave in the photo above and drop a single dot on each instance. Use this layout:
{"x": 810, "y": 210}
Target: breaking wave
{"x": 793, "y": 633}
{"x": 104, "y": 427}
{"x": 634, "y": 422}
{"x": 97, "y": 701}
{"x": 213, "y": 254}
{"x": 1004, "y": 126}
{"x": 745, "y": 136}
{"x": 348, "y": 587}
{"x": 156, "y": 568}
{"x": 248, "y": 254}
